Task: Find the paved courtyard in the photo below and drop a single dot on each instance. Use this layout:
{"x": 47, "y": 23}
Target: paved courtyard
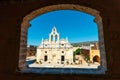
{"x": 83, "y": 65}
{"x": 64, "y": 66}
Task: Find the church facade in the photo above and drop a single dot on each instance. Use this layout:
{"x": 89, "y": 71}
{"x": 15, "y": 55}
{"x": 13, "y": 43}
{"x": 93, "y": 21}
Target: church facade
{"x": 54, "y": 50}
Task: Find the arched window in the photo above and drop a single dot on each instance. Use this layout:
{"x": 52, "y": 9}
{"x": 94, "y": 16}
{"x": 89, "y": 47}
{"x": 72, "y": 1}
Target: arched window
{"x": 51, "y": 37}
{"x": 45, "y": 51}
{"x": 56, "y": 38}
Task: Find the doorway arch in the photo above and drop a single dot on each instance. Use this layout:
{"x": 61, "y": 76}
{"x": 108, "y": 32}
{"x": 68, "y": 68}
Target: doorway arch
{"x": 45, "y": 58}
{"x": 96, "y": 58}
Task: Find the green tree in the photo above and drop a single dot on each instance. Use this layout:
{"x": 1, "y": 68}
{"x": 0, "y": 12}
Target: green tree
{"x": 78, "y": 51}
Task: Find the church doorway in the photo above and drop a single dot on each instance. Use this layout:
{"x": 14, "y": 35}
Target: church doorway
{"x": 62, "y": 59}
{"x": 96, "y": 59}
{"x": 45, "y": 58}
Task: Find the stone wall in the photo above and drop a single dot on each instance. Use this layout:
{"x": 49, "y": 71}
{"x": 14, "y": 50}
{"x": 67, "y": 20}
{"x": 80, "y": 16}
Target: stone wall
{"x": 94, "y": 53}
{"x": 11, "y": 17}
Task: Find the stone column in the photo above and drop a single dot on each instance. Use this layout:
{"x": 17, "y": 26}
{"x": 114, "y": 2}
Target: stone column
{"x": 23, "y": 46}
{"x": 58, "y": 38}
{"x": 54, "y": 38}
{"x": 38, "y": 55}
{"x": 49, "y": 38}
{"x": 103, "y": 62}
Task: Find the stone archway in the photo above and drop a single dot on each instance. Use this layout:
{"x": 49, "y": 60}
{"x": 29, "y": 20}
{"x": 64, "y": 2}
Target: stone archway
{"x": 96, "y": 58}
{"x": 25, "y": 25}
{"x": 45, "y": 58}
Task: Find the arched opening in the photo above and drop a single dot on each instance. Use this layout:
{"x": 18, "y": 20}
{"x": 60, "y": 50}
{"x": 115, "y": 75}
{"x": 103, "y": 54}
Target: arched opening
{"x": 45, "y": 58}
{"x": 51, "y": 37}
{"x": 62, "y": 59}
{"x": 96, "y": 59}
{"x": 25, "y": 24}
{"x": 56, "y": 38}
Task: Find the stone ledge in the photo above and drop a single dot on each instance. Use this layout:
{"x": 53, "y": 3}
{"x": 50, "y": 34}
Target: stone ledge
{"x": 44, "y": 71}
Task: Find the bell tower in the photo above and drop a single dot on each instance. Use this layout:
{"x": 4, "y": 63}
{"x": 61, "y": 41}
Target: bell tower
{"x": 54, "y": 35}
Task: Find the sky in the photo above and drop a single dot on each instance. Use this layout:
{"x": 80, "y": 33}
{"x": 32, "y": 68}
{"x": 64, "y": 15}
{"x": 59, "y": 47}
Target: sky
{"x": 75, "y": 25}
